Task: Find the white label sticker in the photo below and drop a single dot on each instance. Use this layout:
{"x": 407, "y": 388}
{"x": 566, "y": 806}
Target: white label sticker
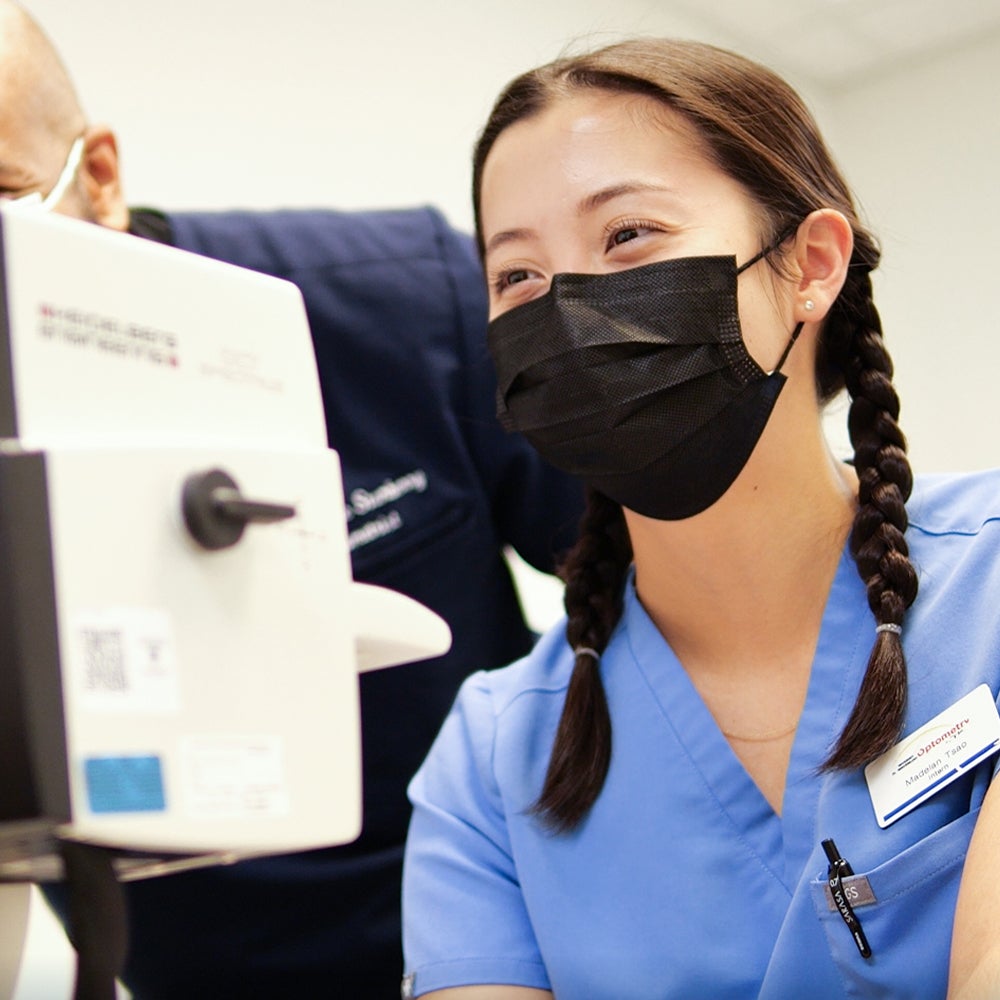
{"x": 122, "y": 660}
{"x": 234, "y": 776}
{"x": 934, "y": 756}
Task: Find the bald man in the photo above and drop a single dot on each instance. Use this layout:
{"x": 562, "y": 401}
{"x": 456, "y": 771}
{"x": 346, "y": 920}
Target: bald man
{"x": 397, "y": 309}
{"x": 40, "y": 121}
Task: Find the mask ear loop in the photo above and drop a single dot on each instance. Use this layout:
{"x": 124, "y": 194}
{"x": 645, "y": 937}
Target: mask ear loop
{"x": 760, "y": 256}
{"x": 768, "y": 249}
{"x": 753, "y": 260}
{"x": 67, "y": 176}
{"x": 788, "y": 348}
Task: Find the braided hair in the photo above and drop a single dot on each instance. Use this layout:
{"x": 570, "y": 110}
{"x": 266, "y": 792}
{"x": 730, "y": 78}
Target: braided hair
{"x": 756, "y": 129}
{"x": 594, "y": 572}
{"x": 852, "y": 345}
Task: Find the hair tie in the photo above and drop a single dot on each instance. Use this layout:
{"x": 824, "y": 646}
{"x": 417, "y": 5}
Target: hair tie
{"x": 889, "y": 627}
{"x": 587, "y": 651}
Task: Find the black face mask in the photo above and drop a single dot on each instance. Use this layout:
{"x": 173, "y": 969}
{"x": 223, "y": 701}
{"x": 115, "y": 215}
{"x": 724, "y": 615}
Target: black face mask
{"x": 638, "y": 381}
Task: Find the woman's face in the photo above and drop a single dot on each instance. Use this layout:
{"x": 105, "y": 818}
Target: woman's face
{"x": 600, "y": 182}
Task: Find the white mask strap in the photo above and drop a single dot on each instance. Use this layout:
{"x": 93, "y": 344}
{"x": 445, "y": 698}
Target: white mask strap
{"x": 35, "y": 202}
{"x": 66, "y": 177}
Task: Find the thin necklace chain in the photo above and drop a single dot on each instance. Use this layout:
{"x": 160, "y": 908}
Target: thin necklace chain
{"x": 762, "y": 737}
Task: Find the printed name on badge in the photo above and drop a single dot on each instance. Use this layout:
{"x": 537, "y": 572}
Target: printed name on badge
{"x": 934, "y": 756}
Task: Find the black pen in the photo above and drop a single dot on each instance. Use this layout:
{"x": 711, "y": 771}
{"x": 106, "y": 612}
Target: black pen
{"x": 839, "y": 869}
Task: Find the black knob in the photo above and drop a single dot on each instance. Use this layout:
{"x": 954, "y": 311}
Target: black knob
{"x": 216, "y": 513}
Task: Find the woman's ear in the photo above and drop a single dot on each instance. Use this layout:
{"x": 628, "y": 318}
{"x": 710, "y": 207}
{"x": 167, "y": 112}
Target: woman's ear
{"x": 99, "y": 178}
{"x": 824, "y": 243}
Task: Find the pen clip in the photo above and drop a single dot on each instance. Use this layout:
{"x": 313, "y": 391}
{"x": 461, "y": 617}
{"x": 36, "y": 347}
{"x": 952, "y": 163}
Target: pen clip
{"x": 838, "y": 870}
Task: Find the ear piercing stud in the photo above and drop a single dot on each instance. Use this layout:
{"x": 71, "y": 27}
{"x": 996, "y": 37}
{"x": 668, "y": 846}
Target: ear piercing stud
{"x": 809, "y": 305}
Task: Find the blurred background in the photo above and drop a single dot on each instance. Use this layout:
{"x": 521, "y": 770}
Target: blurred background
{"x": 249, "y": 103}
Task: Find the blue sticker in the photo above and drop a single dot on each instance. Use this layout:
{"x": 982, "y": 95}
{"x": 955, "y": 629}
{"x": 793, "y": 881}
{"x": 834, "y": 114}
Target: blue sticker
{"x": 124, "y": 784}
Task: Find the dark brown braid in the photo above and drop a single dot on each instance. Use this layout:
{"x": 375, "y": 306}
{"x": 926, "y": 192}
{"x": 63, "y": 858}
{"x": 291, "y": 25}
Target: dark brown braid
{"x": 877, "y": 536}
{"x": 594, "y": 573}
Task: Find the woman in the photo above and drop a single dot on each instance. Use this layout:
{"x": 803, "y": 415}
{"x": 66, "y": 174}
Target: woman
{"x": 667, "y": 797}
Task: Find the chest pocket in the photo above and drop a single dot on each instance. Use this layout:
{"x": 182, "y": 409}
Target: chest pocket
{"x": 909, "y": 926}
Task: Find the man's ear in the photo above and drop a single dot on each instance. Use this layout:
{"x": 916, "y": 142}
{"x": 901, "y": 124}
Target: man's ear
{"x": 100, "y": 180}
{"x": 824, "y": 243}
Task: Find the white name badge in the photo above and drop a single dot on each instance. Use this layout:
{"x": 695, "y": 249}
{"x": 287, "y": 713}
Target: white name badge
{"x": 934, "y": 756}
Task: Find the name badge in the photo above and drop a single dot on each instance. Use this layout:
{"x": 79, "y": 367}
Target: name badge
{"x": 934, "y": 756}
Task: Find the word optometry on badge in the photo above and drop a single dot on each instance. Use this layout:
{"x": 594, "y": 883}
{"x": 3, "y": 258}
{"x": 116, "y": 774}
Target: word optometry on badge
{"x": 934, "y": 756}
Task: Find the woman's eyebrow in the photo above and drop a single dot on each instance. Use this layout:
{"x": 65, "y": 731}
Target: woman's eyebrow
{"x": 598, "y": 198}
{"x": 507, "y": 236}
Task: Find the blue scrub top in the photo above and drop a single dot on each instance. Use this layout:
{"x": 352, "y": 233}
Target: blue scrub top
{"x": 682, "y": 881}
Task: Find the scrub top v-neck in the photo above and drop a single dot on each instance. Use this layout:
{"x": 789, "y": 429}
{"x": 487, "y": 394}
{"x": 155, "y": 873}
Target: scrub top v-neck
{"x": 840, "y": 658}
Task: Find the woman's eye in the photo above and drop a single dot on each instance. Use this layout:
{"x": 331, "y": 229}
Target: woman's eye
{"x": 625, "y": 235}
{"x": 514, "y": 276}
{"x": 623, "y": 231}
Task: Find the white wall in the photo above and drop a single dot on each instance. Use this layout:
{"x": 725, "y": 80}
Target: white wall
{"x": 312, "y": 102}
{"x": 922, "y": 147}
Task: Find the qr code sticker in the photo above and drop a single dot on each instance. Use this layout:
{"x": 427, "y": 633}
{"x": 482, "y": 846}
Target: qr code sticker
{"x": 104, "y": 660}
{"x": 122, "y": 659}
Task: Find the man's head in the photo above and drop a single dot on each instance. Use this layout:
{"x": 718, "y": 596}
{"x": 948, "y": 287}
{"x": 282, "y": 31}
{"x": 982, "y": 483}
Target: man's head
{"x": 40, "y": 118}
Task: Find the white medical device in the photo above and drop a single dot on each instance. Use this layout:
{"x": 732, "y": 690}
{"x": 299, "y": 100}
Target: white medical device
{"x": 180, "y": 636}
